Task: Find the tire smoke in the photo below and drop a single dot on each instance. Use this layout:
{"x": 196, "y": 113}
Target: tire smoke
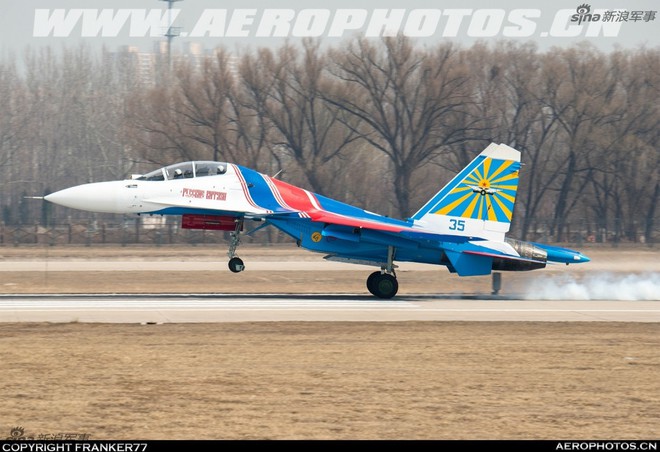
{"x": 601, "y": 286}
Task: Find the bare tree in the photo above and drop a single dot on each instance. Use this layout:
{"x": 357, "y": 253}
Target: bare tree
{"x": 247, "y": 129}
{"x": 13, "y": 120}
{"x": 350, "y": 122}
{"x": 308, "y": 129}
{"x": 629, "y": 163}
{"x": 203, "y": 101}
{"x": 409, "y": 103}
{"x": 579, "y": 92}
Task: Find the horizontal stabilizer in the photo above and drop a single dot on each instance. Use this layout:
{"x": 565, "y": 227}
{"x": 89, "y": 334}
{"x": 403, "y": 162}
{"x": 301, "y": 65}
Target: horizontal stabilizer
{"x": 468, "y": 264}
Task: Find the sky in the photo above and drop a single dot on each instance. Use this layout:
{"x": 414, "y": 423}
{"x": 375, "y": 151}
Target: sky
{"x": 264, "y": 23}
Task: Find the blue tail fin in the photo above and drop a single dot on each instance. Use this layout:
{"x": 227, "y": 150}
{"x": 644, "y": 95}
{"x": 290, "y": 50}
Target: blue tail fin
{"x": 479, "y": 200}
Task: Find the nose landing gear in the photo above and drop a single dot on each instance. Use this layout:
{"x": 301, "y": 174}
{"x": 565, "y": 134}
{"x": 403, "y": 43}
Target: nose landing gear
{"x": 235, "y": 264}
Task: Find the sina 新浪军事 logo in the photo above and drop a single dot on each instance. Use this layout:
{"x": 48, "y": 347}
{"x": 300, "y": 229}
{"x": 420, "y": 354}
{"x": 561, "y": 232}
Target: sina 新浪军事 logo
{"x": 583, "y": 15}
{"x": 18, "y": 433}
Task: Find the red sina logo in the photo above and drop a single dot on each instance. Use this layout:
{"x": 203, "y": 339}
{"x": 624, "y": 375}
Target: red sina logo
{"x": 583, "y": 15}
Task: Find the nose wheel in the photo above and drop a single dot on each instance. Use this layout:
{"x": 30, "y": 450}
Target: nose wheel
{"x": 236, "y": 265}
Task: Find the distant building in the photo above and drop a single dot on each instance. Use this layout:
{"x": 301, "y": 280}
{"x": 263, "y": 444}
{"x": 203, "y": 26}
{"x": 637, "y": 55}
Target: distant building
{"x": 151, "y": 67}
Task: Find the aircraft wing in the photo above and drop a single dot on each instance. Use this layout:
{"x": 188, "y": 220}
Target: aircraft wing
{"x": 356, "y": 222}
{"x": 392, "y": 227}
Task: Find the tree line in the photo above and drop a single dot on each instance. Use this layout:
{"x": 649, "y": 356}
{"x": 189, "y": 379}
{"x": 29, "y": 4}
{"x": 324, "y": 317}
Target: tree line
{"x": 382, "y": 124}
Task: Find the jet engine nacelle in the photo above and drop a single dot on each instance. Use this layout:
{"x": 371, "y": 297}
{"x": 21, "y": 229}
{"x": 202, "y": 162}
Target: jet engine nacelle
{"x": 526, "y": 250}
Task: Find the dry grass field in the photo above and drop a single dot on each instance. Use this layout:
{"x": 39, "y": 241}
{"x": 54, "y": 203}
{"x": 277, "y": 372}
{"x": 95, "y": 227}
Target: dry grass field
{"x": 289, "y": 380}
{"x": 317, "y": 380}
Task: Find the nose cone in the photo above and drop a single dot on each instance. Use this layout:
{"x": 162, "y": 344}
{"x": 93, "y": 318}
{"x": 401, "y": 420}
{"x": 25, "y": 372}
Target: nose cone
{"x": 581, "y": 258}
{"x": 97, "y": 197}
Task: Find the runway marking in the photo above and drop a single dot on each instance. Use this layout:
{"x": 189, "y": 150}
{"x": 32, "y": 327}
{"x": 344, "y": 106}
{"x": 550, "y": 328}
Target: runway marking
{"x": 173, "y": 308}
{"x": 261, "y": 305}
{"x": 196, "y": 304}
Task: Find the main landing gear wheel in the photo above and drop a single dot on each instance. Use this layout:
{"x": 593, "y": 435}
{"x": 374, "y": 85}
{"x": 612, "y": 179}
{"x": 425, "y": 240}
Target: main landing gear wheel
{"x": 382, "y": 285}
{"x": 236, "y": 265}
{"x": 370, "y": 281}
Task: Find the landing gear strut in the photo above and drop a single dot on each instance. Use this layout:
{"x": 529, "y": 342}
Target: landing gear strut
{"x": 383, "y": 283}
{"x": 235, "y": 263}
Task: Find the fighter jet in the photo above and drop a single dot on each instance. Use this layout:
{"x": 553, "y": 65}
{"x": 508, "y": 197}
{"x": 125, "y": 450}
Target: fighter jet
{"x": 460, "y": 227}
{"x": 483, "y": 191}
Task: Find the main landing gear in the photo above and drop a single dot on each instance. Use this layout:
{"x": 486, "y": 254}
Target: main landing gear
{"x": 383, "y": 283}
{"x": 235, "y": 263}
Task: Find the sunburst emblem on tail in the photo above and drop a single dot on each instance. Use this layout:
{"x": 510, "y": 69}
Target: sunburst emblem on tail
{"x": 486, "y": 193}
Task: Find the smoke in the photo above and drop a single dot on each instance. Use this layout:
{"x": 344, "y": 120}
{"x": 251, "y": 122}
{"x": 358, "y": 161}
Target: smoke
{"x": 600, "y": 286}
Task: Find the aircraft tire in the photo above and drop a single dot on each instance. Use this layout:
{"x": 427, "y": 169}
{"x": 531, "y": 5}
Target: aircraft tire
{"x": 370, "y": 282}
{"x": 236, "y": 265}
{"x": 385, "y": 286}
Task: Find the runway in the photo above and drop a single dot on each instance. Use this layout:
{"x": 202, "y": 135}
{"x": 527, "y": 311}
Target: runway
{"x": 213, "y": 308}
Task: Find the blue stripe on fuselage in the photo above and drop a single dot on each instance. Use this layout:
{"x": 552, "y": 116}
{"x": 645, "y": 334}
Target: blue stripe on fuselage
{"x": 260, "y": 191}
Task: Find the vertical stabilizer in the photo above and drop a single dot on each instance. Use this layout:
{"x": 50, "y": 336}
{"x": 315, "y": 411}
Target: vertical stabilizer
{"x": 479, "y": 201}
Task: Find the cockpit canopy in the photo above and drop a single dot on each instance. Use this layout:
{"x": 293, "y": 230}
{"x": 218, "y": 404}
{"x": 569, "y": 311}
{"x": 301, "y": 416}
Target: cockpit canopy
{"x": 186, "y": 170}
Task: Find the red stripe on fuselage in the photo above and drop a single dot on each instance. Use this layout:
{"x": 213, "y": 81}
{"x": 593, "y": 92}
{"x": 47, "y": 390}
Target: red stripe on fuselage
{"x": 294, "y": 197}
{"x": 303, "y": 200}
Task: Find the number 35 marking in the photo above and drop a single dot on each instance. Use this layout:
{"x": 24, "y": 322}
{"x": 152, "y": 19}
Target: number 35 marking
{"x": 457, "y": 225}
